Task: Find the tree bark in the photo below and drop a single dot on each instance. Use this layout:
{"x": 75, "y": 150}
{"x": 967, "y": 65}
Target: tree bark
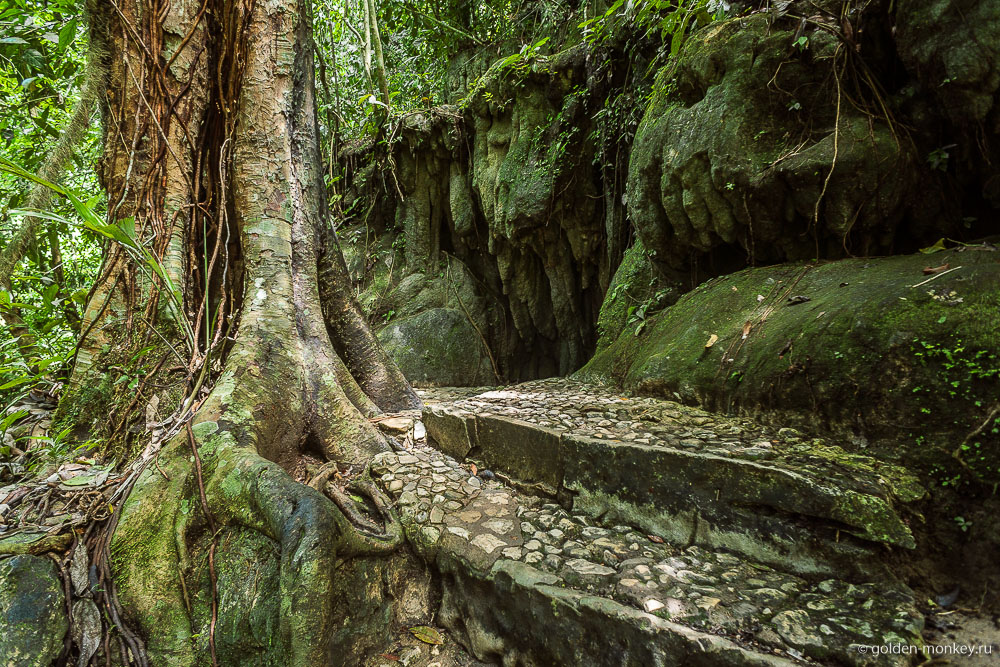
{"x": 383, "y": 81}
{"x": 212, "y": 145}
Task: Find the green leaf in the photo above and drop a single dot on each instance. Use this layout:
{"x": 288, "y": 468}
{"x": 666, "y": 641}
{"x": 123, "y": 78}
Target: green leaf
{"x": 6, "y": 422}
{"x": 937, "y": 247}
{"x": 12, "y": 40}
{"x": 16, "y": 383}
{"x": 67, "y": 34}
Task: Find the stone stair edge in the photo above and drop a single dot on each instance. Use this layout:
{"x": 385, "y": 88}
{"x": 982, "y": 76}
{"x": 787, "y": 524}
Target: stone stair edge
{"x": 872, "y": 516}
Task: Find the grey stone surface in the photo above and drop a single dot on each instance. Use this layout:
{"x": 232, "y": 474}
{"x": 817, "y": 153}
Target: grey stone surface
{"x": 437, "y": 346}
{"x": 32, "y": 611}
{"x": 527, "y": 580}
{"x": 678, "y": 471}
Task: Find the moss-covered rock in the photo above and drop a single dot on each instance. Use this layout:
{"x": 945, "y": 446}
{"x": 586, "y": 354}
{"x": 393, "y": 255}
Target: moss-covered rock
{"x": 953, "y": 48}
{"x": 33, "y": 612}
{"x": 540, "y": 200}
{"x": 748, "y": 148}
{"x": 498, "y": 198}
{"x": 438, "y": 346}
{"x": 635, "y": 293}
{"x": 895, "y": 360}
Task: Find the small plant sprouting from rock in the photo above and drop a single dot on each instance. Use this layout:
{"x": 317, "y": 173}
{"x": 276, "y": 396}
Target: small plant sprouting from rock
{"x": 964, "y": 374}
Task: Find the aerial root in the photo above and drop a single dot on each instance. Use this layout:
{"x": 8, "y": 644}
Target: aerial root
{"x": 368, "y": 537}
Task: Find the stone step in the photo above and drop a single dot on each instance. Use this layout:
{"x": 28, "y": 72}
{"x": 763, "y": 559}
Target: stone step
{"x": 686, "y": 475}
{"x": 526, "y": 582}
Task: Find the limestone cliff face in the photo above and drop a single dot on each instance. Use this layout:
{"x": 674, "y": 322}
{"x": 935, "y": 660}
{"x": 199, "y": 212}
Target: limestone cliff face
{"x": 851, "y": 139}
{"x": 745, "y": 146}
{"x": 766, "y": 139}
{"x": 496, "y": 211}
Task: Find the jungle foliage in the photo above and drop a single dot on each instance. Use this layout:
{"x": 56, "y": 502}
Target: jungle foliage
{"x": 376, "y": 62}
{"x": 42, "y": 66}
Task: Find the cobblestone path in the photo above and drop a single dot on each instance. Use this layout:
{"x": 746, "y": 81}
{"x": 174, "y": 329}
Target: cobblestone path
{"x": 572, "y": 525}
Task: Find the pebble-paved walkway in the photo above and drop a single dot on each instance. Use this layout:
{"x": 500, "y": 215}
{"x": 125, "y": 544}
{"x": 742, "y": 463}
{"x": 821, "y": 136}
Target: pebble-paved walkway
{"x": 576, "y": 408}
{"x": 445, "y": 507}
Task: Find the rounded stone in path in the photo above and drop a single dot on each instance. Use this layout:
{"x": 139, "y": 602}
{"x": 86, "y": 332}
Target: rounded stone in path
{"x": 580, "y": 572}
{"x": 794, "y": 626}
{"x": 585, "y": 567}
{"x": 396, "y": 425}
{"x": 487, "y": 542}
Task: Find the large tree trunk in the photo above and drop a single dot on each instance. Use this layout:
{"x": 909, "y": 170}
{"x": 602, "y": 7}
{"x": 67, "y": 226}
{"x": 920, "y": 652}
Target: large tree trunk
{"x": 212, "y": 146}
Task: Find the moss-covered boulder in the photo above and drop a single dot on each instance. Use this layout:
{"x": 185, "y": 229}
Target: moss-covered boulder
{"x": 900, "y": 356}
{"x": 755, "y": 146}
{"x": 32, "y": 611}
{"x": 634, "y": 294}
{"x": 439, "y": 346}
{"x": 452, "y": 287}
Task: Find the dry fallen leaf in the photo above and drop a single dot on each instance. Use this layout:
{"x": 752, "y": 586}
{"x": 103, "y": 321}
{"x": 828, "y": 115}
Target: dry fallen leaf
{"x": 760, "y": 297}
{"x": 78, "y": 567}
{"x": 427, "y": 634}
{"x": 746, "y": 329}
{"x": 655, "y": 539}
{"x": 931, "y": 270}
{"x": 474, "y": 469}
{"x": 86, "y": 630}
{"x": 711, "y": 341}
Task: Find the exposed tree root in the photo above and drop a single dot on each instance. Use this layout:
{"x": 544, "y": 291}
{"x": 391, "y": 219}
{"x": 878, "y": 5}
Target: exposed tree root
{"x": 301, "y": 371}
{"x": 372, "y": 538}
{"x": 157, "y": 538}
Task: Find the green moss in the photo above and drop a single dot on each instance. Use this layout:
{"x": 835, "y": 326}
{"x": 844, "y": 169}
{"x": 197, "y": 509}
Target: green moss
{"x": 33, "y": 608}
{"x": 714, "y": 166}
{"x": 869, "y": 357}
{"x": 438, "y": 346}
{"x": 247, "y": 571}
{"x": 87, "y": 407}
{"x": 93, "y": 407}
{"x": 634, "y": 295}
{"x": 876, "y": 518}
